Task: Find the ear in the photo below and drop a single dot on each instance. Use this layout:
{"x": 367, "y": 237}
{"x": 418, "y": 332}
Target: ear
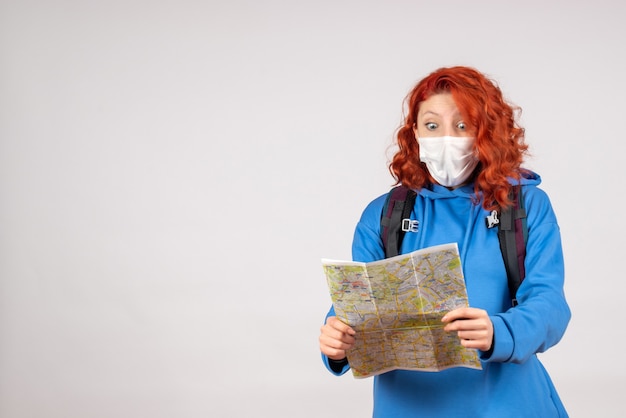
{"x": 415, "y": 131}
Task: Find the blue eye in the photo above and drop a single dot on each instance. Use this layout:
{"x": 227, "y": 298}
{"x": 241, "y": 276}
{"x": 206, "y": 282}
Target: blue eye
{"x": 431, "y": 126}
{"x": 461, "y": 126}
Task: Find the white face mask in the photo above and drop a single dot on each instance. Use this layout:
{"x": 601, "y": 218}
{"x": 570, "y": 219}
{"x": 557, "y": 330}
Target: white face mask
{"x": 450, "y": 159}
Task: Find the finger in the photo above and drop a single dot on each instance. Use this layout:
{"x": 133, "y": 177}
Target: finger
{"x": 482, "y": 344}
{"x": 340, "y": 326}
{"x": 331, "y": 351}
{"x": 336, "y": 334}
{"x": 466, "y": 324}
{"x": 463, "y": 313}
{"x": 472, "y": 335}
{"x": 333, "y": 354}
{"x": 335, "y": 343}
{"x": 458, "y": 324}
{"x": 454, "y": 315}
{"x": 334, "y": 349}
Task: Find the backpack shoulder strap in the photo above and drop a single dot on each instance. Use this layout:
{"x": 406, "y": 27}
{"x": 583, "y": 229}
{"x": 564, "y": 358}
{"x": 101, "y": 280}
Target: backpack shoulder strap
{"x": 398, "y": 206}
{"x": 513, "y": 234}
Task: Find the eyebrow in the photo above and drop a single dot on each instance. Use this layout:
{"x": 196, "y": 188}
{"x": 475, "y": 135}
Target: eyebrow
{"x": 430, "y": 112}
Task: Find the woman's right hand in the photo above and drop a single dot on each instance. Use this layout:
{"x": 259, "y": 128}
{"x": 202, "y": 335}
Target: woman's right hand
{"x": 336, "y": 338}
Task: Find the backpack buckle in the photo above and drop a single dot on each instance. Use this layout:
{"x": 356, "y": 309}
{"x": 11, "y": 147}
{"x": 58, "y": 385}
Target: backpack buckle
{"x": 409, "y": 225}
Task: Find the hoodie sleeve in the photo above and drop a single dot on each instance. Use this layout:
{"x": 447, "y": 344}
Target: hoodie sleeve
{"x": 542, "y": 315}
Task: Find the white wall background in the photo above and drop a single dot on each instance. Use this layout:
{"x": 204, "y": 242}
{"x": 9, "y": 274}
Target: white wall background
{"x": 171, "y": 173}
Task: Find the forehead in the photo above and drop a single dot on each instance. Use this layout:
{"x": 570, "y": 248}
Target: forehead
{"x": 441, "y": 104}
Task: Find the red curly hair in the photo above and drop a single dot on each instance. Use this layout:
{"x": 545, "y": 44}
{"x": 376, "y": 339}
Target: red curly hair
{"x": 499, "y": 139}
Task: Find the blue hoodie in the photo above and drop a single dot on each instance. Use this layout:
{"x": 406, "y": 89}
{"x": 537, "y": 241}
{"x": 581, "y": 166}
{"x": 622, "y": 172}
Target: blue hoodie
{"x": 513, "y": 382}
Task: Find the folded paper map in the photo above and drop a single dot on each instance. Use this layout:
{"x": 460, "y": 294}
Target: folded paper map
{"x": 396, "y": 305}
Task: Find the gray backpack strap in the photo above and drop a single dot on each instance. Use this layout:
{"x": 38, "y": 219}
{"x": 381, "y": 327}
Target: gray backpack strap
{"x": 512, "y": 233}
{"x": 398, "y": 206}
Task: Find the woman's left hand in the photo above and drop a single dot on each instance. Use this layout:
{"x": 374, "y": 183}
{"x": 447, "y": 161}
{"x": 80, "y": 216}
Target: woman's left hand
{"x": 472, "y": 325}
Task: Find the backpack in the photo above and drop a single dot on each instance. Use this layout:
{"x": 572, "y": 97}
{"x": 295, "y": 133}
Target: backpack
{"x": 512, "y": 231}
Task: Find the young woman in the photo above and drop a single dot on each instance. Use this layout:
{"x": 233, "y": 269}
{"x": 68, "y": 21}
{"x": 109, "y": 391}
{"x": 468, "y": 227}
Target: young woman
{"x": 461, "y": 149}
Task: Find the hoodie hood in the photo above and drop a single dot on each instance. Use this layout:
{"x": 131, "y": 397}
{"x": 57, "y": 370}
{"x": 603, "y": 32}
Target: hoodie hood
{"x": 529, "y": 178}
{"x": 436, "y": 191}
